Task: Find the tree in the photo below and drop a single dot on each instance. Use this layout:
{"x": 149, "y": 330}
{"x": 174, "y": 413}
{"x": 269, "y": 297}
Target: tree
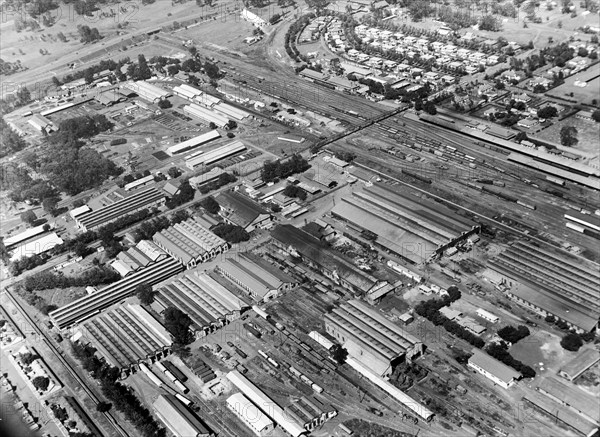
{"x": 568, "y": 136}
{"x": 41, "y": 383}
{"x": 274, "y": 18}
{"x": 231, "y": 233}
{"x": 103, "y": 407}
{"x": 144, "y": 293}
{"x": 596, "y": 115}
{"x": 174, "y": 172}
{"x": 210, "y": 205}
{"x": 49, "y": 205}
{"x": 28, "y": 217}
{"x": 164, "y": 104}
{"x": 547, "y": 112}
{"x": 512, "y": 334}
{"x": 571, "y": 342}
{"x": 178, "y": 324}
{"x": 521, "y": 136}
{"x": 28, "y": 358}
{"x": 339, "y": 354}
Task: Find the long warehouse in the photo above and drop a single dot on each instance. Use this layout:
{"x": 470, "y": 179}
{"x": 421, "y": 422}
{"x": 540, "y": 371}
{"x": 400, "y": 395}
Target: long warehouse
{"x": 550, "y": 284}
{"x": 147, "y": 91}
{"x": 249, "y": 413}
{"x": 190, "y": 243}
{"x": 208, "y": 303}
{"x": 231, "y": 111}
{"x": 265, "y": 403}
{"x": 371, "y": 338}
{"x": 408, "y": 226}
{"x": 215, "y": 155}
{"x": 89, "y": 305}
{"x": 207, "y": 115}
{"x": 127, "y": 336}
{"x": 179, "y": 420}
{"x": 193, "y": 142}
{"x": 138, "y": 200}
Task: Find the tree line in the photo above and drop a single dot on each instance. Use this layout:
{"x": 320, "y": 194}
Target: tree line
{"x": 98, "y": 275}
{"x": 276, "y": 170}
{"x": 122, "y": 397}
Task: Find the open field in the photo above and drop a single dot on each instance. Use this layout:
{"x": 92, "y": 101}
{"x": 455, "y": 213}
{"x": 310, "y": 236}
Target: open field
{"x": 588, "y": 132}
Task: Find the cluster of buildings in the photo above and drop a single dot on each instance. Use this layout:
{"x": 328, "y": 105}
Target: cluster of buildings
{"x": 439, "y": 53}
{"x": 549, "y": 284}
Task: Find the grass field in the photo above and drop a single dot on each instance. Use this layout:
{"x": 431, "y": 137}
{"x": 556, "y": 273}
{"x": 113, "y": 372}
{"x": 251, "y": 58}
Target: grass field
{"x": 588, "y": 133}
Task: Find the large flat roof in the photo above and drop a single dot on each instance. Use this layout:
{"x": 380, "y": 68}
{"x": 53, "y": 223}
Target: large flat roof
{"x": 240, "y": 403}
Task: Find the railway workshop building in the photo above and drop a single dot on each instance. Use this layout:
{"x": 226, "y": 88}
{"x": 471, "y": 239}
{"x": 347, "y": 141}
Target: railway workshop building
{"x": 190, "y": 243}
{"x": 259, "y": 279}
{"x": 300, "y": 244}
{"x": 582, "y": 362}
{"x": 310, "y": 412}
{"x": 550, "y": 284}
{"x": 209, "y": 304}
{"x": 571, "y": 397}
{"x": 370, "y": 338}
{"x": 242, "y": 211}
{"x": 249, "y": 413}
{"x": 265, "y": 404}
{"x": 494, "y": 370}
{"x": 87, "y": 306}
{"x": 412, "y": 228}
{"x": 178, "y": 419}
{"x": 136, "y": 201}
{"x": 126, "y": 336}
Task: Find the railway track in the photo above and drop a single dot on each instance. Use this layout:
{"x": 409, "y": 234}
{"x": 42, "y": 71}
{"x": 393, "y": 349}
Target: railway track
{"x": 112, "y": 420}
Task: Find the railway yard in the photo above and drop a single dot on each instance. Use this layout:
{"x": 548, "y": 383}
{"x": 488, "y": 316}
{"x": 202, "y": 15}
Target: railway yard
{"x": 284, "y": 258}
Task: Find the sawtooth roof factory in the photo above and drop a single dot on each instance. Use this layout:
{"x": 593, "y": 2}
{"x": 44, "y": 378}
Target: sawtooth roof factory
{"x": 190, "y": 243}
{"x": 412, "y": 228}
{"x": 370, "y": 338}
{"x": 208, "y": 303}
{"x": 550, "y": 284}
{"x": 127, "y": 336}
